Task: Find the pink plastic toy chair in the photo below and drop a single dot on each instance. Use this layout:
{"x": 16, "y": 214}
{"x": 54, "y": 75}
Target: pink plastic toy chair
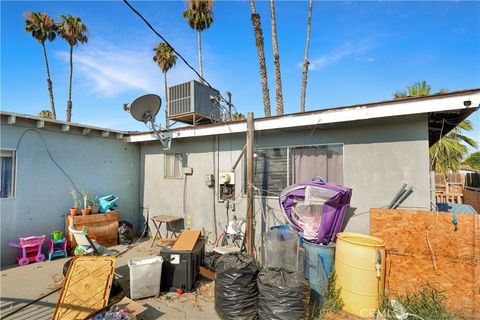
{"x": 30, "y": 249}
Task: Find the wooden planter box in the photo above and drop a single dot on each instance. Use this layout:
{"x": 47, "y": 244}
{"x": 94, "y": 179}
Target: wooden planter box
{"x": 455, "y": 270}
{"x": 104, "y": 226}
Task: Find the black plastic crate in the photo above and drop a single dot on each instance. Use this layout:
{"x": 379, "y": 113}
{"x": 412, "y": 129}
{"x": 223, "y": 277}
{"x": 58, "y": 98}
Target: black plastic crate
{"x": 180, "y": 268}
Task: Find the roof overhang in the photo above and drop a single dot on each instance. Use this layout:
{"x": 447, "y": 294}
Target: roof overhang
{"x": 442, "y": 109}
{"x": 39, "y": 122}
{"x": 442, "y": 122}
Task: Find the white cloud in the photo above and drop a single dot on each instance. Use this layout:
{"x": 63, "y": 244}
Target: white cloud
{"x": 109, "y": 70}
{"x": 350, "y": 50}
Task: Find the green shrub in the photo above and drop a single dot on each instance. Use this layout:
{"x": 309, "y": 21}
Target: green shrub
{"x": 427, "y": 303}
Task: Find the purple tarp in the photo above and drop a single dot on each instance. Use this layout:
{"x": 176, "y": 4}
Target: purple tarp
{"x": 315, "y": 209}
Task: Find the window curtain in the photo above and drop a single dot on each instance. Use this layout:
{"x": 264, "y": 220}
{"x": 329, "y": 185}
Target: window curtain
{"x": 6, "y": 180}
{"x": 318, "y": 161}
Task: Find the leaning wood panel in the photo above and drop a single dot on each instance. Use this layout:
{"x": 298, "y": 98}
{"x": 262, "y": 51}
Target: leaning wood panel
{"x": 410, "y": 263}
{"x": 103, "y": 225}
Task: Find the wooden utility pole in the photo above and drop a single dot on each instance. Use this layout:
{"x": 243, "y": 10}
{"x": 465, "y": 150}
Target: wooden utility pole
{"x": 229, "y": 94}
{"x": 249, "y": 152}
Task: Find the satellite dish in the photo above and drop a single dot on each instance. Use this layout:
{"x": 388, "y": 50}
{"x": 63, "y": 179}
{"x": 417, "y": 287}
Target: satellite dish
{"x": 144, "y": 109}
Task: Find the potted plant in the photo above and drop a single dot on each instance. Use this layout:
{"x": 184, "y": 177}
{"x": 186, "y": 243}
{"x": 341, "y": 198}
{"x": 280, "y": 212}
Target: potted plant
{"x": 74, "y": 208}
{"x": 57, "y": 235}
{"x": 86, "y": 209}
{"x": 94, "y": 206}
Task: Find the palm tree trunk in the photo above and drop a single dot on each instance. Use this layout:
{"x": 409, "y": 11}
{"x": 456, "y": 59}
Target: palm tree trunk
{"x": 69, "y": 100}
{"x": 276, "y": 61}
{"x": 167, "y": 125}
{"x": 49, "y": 82}
{"x": 200, "y": 55}
{"x": 262, "y": 66}
{"x": 305, "y": 61}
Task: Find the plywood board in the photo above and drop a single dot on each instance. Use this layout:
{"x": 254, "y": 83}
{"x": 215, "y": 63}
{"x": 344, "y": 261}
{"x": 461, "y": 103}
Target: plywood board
{"x": 86, "y": 288}
{"x": 186, "y": 240}
{"x": 452, "y": 265}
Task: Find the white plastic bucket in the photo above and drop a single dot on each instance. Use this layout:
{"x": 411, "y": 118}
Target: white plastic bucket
{"x": 145, "y": 275}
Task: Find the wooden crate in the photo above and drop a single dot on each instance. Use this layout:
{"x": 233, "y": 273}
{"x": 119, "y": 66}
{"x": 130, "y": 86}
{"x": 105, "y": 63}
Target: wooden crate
{"x": 410, "y": 264}
{"x": 103, "y": 225}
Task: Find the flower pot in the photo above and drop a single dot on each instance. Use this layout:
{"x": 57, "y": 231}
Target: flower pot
{"x": 57, "y": 235}
{"x": 94, "y": 209}
{"x": 73, "y": 211}
{"x": 85, "y": 212}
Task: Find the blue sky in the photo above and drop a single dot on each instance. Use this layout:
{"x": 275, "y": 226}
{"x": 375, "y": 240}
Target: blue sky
{"x": 360, "y": 52}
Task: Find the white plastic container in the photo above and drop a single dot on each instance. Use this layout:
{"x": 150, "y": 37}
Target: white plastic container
{"x": 145, "y": 275}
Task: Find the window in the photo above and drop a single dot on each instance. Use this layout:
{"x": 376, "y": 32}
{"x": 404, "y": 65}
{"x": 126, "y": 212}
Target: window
{"x": 270, "y": 167}
{"x": 7, "y": 186}
{"x": 325, "y": 162}
{"x": 173, "y": 165}
{"x": 276, "y": 168}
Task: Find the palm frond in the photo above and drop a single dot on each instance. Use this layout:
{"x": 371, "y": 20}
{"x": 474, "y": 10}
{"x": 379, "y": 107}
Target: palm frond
{"x": 73, "y": 30}
{"x": 199, "y": 14}
{"x": 41, "y": 26}
{"x": 164, "y": 57}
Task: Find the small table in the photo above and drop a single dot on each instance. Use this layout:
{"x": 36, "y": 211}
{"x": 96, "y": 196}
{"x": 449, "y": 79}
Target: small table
{"x": 168, "y": 220}
{"x": 57, "y": 248}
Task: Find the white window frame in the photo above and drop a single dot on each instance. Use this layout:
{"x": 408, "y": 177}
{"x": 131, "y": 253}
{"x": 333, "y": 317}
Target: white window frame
{"x": 180, "y": 158}
{"x": 289, "y": 175}
{"x": 14, "y": 172}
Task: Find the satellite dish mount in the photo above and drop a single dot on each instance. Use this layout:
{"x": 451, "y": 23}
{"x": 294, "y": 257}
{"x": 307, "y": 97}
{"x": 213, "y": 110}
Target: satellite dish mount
{"x": 145, "y": 109}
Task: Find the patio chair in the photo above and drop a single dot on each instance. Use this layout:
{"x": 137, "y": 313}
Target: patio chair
{"x": 87, "y": 245}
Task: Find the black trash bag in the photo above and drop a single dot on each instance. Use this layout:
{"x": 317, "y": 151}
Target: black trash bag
{"x": 236, "y": 287}
{"x": 210, "y": 260}
{"x": 282, "y": 295}
{"x": 126, "y": 233}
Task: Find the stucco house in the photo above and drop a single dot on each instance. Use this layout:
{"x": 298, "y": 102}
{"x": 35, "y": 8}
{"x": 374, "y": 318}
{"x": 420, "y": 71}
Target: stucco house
{"x": 372, "y": 148}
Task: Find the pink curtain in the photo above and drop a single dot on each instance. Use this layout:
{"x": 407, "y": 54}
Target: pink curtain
{"x": 318, "y": 161}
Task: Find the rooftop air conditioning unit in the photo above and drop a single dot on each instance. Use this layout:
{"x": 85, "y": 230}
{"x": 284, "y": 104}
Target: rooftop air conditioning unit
{"x": 193, "y": 102}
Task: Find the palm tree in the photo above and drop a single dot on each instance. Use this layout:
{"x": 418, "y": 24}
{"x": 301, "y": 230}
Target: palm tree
{"x": 447, "y": 153}
{"x": 43, "y": 28}
{"x": 200, "y": 17}
{"x": 257, "y": 31}
{"x": 238, "y": 116}
{"x": 305, "y": 60}
{"x": 46, "y": 114}
{"x": 418, "y": 89}
{"x": 276, "y": 61}
{"x": 74, "y": 31}
{"x": 165, "y": 58}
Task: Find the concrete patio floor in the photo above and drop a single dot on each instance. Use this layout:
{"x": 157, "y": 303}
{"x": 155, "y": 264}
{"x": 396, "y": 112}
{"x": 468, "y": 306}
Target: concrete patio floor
{"x": 20, "y": 285}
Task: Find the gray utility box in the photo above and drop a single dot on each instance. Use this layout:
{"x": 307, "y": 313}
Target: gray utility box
{"x": 180, "y": 268}
{"x": 192, "y": 98}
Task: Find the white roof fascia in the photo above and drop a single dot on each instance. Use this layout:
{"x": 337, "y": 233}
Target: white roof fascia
{"x": 393, "y": 109}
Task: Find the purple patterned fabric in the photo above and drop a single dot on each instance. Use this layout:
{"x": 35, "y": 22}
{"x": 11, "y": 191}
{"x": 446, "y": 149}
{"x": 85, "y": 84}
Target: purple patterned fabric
{"x": 318, "y": 218}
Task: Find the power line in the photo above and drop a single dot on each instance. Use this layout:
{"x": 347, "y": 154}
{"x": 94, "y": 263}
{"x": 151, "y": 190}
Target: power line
{"x": 175, "y": 51}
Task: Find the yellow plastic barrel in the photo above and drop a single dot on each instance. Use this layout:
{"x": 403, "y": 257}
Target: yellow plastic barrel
{"x": 356, "y": 257}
